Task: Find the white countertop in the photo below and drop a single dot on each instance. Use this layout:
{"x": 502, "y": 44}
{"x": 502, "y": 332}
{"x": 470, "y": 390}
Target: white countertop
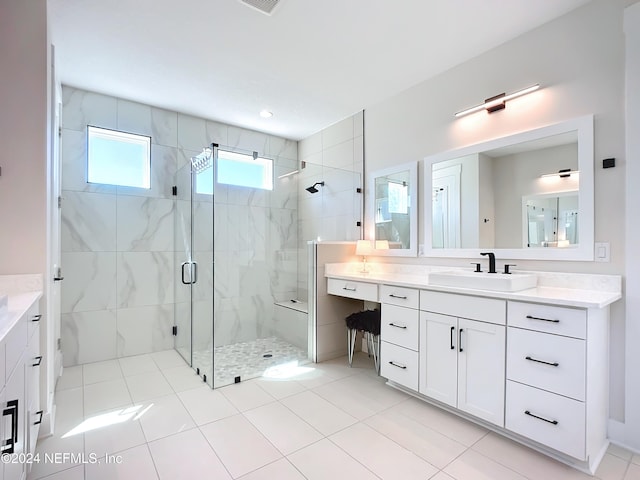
{"x": 575, "y": 296}
{"x": 19, "y": 303}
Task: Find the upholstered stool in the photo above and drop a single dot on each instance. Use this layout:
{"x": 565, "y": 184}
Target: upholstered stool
{"x": 369, "y": 323}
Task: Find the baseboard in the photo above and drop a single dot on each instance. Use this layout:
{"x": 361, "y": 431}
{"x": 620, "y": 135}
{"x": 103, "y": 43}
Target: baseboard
{"x": 617, "y": 433}
{"x": 47, "y": 427}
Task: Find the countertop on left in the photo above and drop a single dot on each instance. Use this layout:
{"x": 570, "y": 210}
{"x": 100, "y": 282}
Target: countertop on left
{"x": 19, "y": 303}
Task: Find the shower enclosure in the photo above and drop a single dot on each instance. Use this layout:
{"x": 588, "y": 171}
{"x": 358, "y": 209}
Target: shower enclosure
{"x": 235, "y": 259}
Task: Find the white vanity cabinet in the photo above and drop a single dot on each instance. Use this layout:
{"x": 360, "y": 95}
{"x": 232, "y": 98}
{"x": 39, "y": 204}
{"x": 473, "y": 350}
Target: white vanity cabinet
{"x": 33, "y": 365}
{"x": 399, "y": 335}
{"x": 20, "y": 397}
{"x": 462, "y": 360}
{"x": 557, "y": 377}
{"x": 532, "y": 365}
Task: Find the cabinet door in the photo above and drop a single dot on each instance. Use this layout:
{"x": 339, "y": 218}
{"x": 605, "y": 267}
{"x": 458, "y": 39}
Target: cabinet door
{"x": 14, "y": 422}
{"x": 438, "y": 357}
{"x": 481, "y": 370}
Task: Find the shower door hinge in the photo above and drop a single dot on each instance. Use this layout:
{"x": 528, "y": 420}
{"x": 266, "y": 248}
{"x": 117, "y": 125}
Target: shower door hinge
{"x": 60, "y": 131}
{"x": 174, "y": 330}
{"x": 174, "y": 190}
{"x": 59, "y": 201}
{"x": 358, "y": 224}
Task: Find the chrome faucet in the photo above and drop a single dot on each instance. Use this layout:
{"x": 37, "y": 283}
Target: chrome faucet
{"x": 492, "y": 261}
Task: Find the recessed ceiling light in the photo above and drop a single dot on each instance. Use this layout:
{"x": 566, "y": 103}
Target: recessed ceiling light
{"x": 266, "y": 114}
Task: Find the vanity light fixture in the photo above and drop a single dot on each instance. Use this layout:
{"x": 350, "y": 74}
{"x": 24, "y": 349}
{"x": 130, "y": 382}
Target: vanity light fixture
{"x": 382, "y": 244}
{"x": 266, "y": 114}
{"x": 564, "y": 173}
{"x": 497, "y": 102}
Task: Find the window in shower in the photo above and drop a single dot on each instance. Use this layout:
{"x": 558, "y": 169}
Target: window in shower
{"x": 118, "y": 158}
{"x": 244, "y": 170}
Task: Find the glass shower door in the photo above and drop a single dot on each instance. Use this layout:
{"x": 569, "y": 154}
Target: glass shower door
{"x": 182, "y": 259}
{"x": 202, "y": 292}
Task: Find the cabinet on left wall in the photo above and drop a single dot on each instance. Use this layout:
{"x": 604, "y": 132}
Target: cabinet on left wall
{"x": 20, "y": 392}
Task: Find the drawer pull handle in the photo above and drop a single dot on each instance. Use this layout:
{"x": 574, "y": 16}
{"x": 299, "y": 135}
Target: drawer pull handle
{"x": 8, "y": 444}
{"x": 404, "y": 367}
{"x": 553, "y": 364}
{"x": 36, "y": 318}
{"x": 39, "y": 412}
{"x": 38, "y": 360}
{"x": 543, "y": 319}
{"x": 349, "y": 289}
{"x": 453, "y": 329}
{"x": 553, "y": 422}
{"x": 398, "y": 326}
{"x": 460, "y": 340}
{"x": 401, "y": 297}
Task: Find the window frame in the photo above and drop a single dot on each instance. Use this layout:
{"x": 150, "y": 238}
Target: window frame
{"x": 143, "y": 140}
{"x": 267, "y": 163}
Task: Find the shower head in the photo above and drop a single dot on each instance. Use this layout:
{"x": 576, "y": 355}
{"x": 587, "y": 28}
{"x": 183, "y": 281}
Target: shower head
{"x": 313, "y": 189}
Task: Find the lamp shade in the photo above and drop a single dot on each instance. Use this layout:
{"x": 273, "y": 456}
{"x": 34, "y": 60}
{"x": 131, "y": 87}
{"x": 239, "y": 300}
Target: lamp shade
{"x": 364, "y": 247}
{"x": 382, "y": 244}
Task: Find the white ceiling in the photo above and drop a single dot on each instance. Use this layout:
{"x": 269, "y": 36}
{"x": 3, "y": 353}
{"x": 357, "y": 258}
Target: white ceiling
{"x": 312, "y": 63}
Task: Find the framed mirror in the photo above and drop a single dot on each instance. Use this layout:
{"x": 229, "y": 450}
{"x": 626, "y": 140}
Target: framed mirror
{"x": 524, "y": 196}
{"x": 392, "y": 206}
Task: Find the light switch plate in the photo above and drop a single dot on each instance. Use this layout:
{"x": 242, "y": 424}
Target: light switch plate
{"x": 602, "y": 252}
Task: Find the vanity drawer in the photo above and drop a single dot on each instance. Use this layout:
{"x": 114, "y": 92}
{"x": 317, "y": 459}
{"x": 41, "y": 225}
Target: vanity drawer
{"x": 347, "y": 288}
{"x": 33, "y": 319}
{"x": 571, "y": 322}
{"x": 404, "y": 297}
{"x": 550, "y": 362}
{"x": 400, "y": 365}
{"x": 490, "y": 310}
{"x": 15, "y": 344}
{"x": 566, "y": 435}
{"x": 400, "y": 326}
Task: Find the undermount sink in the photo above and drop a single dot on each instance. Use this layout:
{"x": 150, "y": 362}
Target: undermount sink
{"x": 497, "y": 282}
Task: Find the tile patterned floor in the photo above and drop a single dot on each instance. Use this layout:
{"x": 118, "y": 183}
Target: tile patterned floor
{"x": 321, "y": 421}
{"x": 247, "y": 359}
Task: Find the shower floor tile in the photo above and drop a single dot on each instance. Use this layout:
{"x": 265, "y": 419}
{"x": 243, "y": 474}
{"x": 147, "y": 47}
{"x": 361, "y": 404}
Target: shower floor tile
{"x": 249, "y": 359}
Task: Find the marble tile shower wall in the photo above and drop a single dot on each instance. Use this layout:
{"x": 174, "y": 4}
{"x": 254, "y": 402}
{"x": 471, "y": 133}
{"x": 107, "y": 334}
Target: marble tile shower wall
{"x": 334, "y": 155}
{"x": 119, "y": 244}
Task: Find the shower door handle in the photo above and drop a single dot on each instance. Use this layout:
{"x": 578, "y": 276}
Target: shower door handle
{"x": 184, "y": 264}
{"x": 193, "y": 272}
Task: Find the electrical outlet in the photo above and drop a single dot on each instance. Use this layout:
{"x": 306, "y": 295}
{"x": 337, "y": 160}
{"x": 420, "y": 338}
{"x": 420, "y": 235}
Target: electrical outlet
{"x": 421, "y": 250}
{"x": 602, "y": 252}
